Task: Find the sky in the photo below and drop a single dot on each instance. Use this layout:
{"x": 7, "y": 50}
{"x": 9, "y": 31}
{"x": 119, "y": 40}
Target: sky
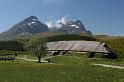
{"x": 99, "y": 16}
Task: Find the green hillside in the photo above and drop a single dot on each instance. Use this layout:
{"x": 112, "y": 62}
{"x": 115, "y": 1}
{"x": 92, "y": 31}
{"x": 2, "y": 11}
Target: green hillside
{"x": 115, "y": 43}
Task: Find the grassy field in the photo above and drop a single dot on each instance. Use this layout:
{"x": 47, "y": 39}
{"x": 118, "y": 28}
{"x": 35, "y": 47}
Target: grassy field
{"x": 79, "y": 58}
{"x": 65, "y": 68}
{"x": 61, "y": 69}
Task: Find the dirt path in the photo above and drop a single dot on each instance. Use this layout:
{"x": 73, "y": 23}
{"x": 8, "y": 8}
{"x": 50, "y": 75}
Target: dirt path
{"x": 29, "y": 59}
{"x": 110, "y": 66}
{"x": 104, "y": 65}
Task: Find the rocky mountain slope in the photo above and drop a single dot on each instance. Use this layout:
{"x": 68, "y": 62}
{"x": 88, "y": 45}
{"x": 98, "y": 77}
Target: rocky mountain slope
{"x": 74, "y": 27}
{"x": 28, "y": 26}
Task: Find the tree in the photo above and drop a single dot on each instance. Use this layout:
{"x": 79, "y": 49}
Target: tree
{"x": 37, "y": 47}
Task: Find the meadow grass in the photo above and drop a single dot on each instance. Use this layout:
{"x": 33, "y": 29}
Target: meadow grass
{"x": 61, "y": 69}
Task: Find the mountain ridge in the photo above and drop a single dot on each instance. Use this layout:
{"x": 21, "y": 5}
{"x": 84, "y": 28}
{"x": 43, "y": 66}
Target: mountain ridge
{"x": 31, "y": 26}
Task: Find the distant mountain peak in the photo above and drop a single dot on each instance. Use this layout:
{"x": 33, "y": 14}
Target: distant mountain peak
{"x": 30, "y": 25}
{"x": 31, "y": 18}
{"x": 68, "y": 26}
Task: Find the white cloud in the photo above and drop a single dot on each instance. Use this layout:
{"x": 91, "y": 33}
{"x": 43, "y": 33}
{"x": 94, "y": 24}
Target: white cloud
{"x": 62, "y": 20}
{"x": 53, "y": 24}
{"x": 57, "y": 23}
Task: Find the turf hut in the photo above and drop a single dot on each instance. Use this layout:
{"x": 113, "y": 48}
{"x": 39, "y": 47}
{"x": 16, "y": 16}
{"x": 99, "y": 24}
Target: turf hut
{"x": 91, "y": 47}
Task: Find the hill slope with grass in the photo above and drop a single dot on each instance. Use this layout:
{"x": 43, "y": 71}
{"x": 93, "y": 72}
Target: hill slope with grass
{"x": 116, "y": 43}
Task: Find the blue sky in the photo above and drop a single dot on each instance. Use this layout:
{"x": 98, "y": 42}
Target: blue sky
{"x": 99, "y": 16}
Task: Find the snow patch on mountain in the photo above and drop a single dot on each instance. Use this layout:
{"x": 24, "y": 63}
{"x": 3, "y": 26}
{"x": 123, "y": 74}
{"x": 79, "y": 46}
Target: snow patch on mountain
{"x": 74, "y": 26}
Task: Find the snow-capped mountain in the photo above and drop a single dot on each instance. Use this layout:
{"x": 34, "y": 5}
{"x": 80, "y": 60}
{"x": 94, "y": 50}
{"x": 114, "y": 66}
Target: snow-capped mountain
{"x": 68, "y": 26}
{"x": 30, "y": 25}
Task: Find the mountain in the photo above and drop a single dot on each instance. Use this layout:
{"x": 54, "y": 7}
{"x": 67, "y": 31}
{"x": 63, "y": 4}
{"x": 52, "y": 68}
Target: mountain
{"x": 32, "y": 27}
{"x": 27, "y": 27}
{"x": 69, "y": 27}
{"x": 74, "y": 27}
